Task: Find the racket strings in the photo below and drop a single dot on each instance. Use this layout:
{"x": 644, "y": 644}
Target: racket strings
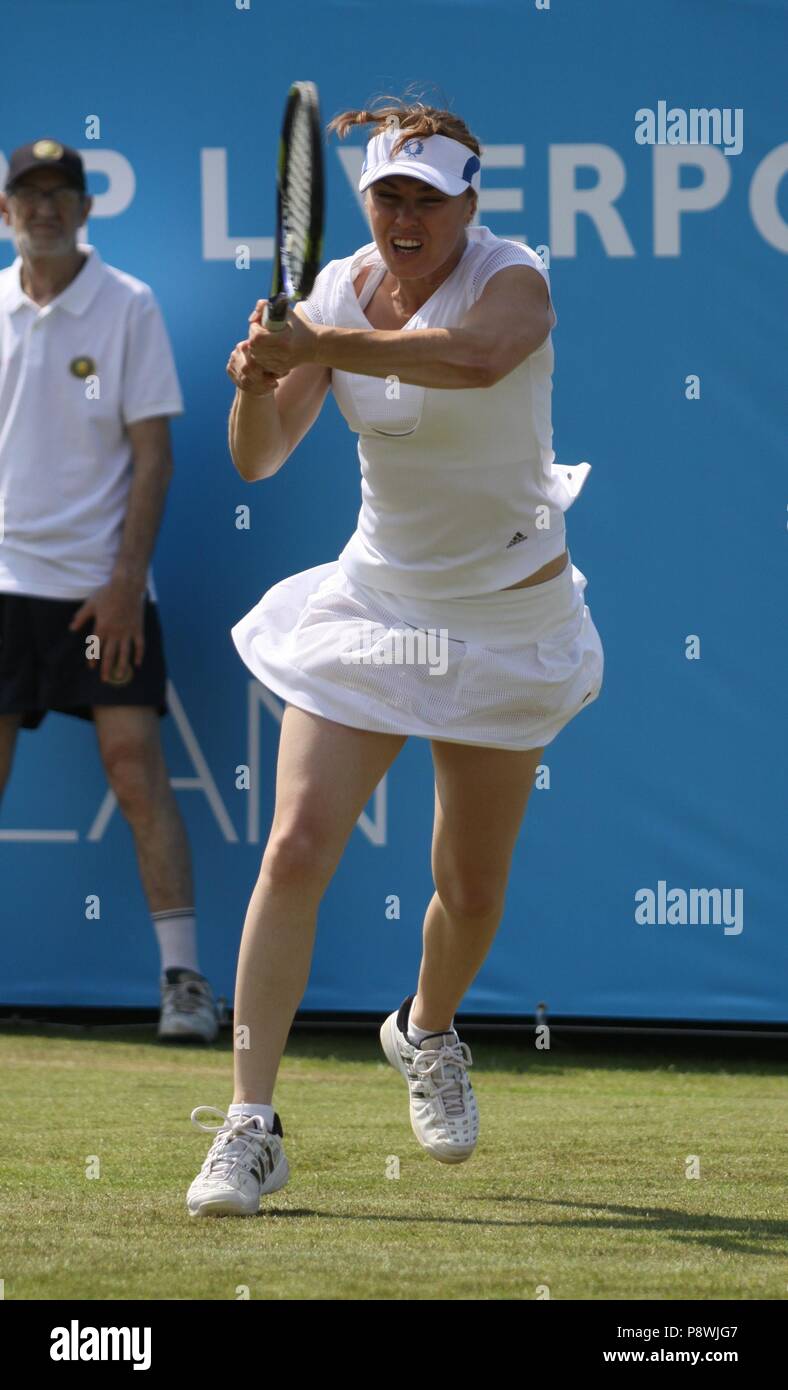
{"x": 297, "y": 200}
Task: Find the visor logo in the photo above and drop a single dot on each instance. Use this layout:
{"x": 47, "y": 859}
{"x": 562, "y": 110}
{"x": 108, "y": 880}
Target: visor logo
{"x": 413, "y": 147}
{"x": 472, "y": 165}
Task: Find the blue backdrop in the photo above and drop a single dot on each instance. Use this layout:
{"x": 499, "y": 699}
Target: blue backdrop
{"x": 668, "y": 264}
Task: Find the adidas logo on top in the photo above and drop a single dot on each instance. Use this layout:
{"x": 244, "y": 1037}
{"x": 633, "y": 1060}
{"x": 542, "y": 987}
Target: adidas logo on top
{"x": 516, "y": 538}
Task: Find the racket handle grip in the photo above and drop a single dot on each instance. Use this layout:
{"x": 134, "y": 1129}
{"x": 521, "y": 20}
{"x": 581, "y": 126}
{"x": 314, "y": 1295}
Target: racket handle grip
{"x": 275, "y": 313}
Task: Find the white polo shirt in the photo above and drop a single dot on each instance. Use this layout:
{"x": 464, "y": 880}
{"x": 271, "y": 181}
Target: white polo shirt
{"x": 73, "y": 375}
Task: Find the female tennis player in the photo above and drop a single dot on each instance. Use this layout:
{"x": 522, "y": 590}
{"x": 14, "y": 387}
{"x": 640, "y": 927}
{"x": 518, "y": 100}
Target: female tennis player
{"x": 436, "y": 340}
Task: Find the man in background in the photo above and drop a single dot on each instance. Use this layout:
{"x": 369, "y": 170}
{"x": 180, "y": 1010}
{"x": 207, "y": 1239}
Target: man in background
{"x": 87, "y": 383}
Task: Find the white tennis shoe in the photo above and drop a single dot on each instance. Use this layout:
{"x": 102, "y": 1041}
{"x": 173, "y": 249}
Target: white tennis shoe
{"x": 244, "y": 1163}
{"x": 443, "y": 1111}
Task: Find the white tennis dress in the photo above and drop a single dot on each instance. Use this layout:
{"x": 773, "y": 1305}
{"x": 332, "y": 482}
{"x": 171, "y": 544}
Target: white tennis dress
{"x": 413, "y": 629}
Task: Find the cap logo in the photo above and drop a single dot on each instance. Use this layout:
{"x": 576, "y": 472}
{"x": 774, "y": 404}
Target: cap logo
{"x": 47, "y": 149}
{"x": 413, "y": 148}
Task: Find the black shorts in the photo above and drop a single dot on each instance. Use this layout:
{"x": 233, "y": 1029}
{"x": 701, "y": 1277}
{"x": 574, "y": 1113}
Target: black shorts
{"x": 43, "y": 665}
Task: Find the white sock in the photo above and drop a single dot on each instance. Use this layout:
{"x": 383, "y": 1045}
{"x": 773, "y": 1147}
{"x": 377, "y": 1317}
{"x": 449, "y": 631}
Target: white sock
{"x": 247, "y": 1107}
{"x": 176, "y": 933}
{"x": 418, "y": 1035}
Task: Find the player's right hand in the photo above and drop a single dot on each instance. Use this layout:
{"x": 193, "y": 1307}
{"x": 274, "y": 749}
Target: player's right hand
{"x": 247, "y": 374}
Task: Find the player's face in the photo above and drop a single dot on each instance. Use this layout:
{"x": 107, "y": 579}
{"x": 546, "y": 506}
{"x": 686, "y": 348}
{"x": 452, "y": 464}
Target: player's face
{"x": 45, "y": 226}
{"x": 407, "y": 208}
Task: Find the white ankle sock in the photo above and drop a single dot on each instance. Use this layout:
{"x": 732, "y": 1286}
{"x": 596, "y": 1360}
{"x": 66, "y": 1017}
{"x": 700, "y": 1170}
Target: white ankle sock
{"x": 247, "y": 1107}
{"x": 176, "y": 933}
{"x": 417, "y": 1035}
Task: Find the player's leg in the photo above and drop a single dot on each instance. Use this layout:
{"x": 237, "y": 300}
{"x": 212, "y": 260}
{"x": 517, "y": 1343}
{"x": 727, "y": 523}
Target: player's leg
{"x": 9, "y": 728}
{"x": 326, "y": 773}
{"x": 481, "y": 796}
{"x": 480, "y": 799}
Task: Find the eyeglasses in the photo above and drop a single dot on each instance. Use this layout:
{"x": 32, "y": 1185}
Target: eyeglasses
{"x": 64, "y": 197}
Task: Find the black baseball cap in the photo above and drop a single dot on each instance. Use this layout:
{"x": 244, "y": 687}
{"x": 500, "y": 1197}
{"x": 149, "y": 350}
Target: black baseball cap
{"x": 46, "y": 154}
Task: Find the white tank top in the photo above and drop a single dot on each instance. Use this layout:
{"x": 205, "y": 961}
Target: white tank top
{"x": 460, "y": 494}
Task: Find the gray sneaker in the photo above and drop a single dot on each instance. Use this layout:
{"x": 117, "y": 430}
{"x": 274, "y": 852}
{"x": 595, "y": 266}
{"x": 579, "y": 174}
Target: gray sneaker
{"x": 188, "y": 1009}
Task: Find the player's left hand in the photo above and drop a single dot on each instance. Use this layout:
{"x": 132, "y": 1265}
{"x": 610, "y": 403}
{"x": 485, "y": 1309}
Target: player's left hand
{"x": 117, "y": 612}
{"x": 280, "y": 352}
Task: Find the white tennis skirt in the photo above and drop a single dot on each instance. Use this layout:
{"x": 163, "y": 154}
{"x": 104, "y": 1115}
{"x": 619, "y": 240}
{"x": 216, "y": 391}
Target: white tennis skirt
{"x": 506, "y": 669}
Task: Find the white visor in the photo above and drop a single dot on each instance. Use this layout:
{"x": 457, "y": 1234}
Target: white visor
{"x": 446, "y": 164}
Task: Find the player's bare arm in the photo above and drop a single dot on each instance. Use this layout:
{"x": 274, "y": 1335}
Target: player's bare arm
{"x": 511, "y": 319}
{"x": 271, "y": 412}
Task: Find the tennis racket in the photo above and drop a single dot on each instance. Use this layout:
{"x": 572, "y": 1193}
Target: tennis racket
{"x": 299, "y": 205}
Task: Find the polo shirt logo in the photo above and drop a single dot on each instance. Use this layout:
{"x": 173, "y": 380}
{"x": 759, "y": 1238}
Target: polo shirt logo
{"x": 82, "y": 367}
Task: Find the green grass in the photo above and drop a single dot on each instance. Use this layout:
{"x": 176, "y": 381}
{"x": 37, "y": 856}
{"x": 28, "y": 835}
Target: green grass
{"x": 578, "y": 1182}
